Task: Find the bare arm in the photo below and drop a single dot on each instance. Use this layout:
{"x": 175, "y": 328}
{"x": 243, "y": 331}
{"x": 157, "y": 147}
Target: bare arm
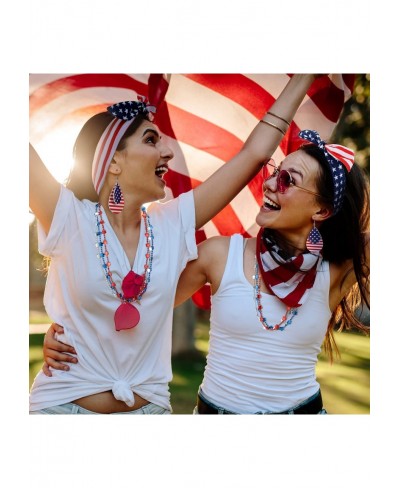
{"x": 193, "y": 277}
{"x": 207, "y": 268}
{"x": 220, "y": 188}
{"x": 43, "y": 190}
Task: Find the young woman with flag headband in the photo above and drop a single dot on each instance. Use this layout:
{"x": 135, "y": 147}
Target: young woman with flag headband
{"x": 277, "y": 296}
{"x": 115, "y": 264}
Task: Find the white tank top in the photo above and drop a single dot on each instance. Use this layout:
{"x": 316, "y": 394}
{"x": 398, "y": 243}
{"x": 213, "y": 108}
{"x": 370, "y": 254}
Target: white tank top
{"x": 250, "y": 369}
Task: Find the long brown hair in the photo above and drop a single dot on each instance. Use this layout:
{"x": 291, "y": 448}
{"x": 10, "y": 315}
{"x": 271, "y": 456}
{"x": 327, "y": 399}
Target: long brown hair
{"x": 346, "y": 237}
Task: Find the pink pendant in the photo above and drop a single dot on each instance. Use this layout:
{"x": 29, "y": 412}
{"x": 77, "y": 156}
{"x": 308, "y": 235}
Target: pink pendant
{"x": 131, "y": 285}
{"x": 126, "y": 317}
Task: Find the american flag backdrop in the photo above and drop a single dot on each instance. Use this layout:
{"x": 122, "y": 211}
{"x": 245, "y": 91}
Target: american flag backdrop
{"x": 205, "y": 118}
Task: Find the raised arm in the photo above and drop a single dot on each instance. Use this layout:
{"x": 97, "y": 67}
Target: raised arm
{"x": 43, "y": 190}
{"x": 220, "y": 188}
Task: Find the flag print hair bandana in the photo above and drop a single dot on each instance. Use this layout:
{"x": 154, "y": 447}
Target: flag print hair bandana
{"x": 339, "y": 159}
{"x": 124, "y": 114}
{"x": 291, "y": 279}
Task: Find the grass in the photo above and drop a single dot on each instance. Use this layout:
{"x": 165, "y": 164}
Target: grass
{"x": 345, "y": 384}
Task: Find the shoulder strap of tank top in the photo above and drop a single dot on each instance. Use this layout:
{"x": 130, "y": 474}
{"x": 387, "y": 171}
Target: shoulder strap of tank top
{"x": 236, "y": 251}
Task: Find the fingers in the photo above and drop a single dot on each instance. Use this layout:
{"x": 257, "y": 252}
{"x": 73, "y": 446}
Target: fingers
{"x": 57, "y": 363}
{"x": 56, "y": 353}
{"x": 52, "y": 355}
{"x": 57, "y": 328}
{"x": 46, "y": 370}
{"x": 50, "y": 343}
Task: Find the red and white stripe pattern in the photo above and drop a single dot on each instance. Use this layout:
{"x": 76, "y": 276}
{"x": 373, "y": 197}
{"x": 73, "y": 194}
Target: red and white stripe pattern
{"x": 105, "y": 150}
{"x": 343, "y": 154}
{"x": 290, "y": 284}
{"x": 205, "y": 118}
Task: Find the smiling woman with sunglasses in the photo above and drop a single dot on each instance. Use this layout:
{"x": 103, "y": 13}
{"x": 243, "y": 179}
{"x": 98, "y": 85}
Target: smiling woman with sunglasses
{"x": 276, "y": 297}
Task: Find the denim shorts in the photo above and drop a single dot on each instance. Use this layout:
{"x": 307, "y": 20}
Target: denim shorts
{"x": 72, "y": 408}
{"x": 322, "y": 412}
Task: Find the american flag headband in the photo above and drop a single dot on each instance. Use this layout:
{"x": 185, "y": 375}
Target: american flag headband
{"x": 340, "y": 158}
{"x": 124, "y": 114}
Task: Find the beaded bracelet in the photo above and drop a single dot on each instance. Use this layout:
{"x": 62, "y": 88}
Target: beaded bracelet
{"x": 280, "y": 118}
{"x": 273, "y": 125}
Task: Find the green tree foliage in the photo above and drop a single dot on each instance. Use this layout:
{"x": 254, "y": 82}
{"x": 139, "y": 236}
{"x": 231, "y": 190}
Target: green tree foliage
{"x": 353, "y": 129}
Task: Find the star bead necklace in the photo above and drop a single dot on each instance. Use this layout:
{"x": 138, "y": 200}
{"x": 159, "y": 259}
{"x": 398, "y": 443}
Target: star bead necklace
{"x": 133, "y": 286}
{"x": 291, "y": 312}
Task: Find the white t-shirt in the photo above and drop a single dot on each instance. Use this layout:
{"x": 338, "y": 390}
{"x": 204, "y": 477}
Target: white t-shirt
{"x": 250, "y": 369}
{"x": 78, "y": 297}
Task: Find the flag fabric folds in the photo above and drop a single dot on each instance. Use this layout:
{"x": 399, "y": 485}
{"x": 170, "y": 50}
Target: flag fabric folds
{"x": 205, "y": 118}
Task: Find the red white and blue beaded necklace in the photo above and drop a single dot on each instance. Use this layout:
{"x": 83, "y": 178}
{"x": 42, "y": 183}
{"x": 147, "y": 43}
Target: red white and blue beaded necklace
{"x": 134, "y": 285}
{"x": 291, "y": 312}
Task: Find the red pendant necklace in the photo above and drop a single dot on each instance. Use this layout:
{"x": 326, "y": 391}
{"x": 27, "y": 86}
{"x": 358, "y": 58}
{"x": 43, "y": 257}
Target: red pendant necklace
{"x": 134, "y": 285}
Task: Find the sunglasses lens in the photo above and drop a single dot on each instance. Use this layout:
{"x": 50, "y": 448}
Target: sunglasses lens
{"x": 284, "y": 180}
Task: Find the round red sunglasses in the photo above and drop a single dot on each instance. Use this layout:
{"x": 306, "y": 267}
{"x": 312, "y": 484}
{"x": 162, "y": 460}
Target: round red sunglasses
{"x": 284, "y": 179}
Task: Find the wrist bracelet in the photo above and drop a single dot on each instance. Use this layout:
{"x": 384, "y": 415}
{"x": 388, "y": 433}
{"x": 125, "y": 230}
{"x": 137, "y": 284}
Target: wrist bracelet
{"x": 273, "y": 125}
{"x": 280, "y": 118}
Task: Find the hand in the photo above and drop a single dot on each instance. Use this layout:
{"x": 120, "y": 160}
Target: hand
{"x": 55, "y": 351}
{"x": 312, "y": 76}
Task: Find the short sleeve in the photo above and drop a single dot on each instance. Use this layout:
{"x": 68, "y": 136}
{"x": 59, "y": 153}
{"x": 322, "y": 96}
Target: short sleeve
{"x": 47, "y": 243}
{"x": 188, "y": 221}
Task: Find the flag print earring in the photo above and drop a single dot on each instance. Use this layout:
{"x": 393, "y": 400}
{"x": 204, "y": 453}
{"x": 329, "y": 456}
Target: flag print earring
{"x": 314, "y": 241}
{"x": 116, "y": 199}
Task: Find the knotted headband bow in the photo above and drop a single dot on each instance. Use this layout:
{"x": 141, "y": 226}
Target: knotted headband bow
{"x": 338, "y": 157}
{"x": 124, "y": 114}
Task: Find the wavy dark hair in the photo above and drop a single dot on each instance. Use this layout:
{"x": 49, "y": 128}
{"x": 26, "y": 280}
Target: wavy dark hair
{"x": 346, "y": 237}
{"x": 80, "y": 178}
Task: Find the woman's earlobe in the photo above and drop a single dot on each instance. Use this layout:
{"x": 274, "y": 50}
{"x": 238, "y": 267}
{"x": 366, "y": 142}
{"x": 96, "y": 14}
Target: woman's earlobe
{"x": 114, "y": 168}
{"x": 322, "y": 214}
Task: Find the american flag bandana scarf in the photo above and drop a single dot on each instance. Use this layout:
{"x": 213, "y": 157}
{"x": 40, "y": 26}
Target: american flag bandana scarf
{"x": 339, "y": 159}
{"x": 290, "y": 280}
{"x": 124, "y": 113}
